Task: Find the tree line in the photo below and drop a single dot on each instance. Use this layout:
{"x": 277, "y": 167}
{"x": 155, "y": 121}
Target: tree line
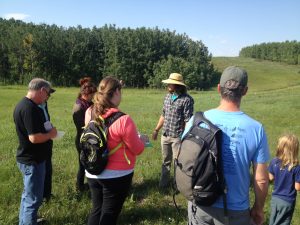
{"x": 142, "y": 57}
{"x": 287, "y": 52}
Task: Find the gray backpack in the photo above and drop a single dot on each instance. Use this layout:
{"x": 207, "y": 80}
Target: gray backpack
{"x": 198, "y": 170}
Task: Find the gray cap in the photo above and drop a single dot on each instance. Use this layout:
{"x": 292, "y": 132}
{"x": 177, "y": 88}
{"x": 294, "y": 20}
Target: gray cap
{"x": 234, "y": 73}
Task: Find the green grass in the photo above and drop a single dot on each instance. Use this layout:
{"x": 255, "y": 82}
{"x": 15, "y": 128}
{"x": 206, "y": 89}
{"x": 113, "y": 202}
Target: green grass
{"x": 275, "y": 103}
{"x": 263, "y": 75}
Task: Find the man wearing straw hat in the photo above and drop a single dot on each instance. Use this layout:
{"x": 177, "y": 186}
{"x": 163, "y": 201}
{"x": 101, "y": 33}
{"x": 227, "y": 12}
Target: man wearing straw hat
{"x": 178, "y": 108}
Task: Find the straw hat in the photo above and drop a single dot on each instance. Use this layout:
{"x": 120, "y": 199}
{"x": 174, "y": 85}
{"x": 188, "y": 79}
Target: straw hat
{"x": 174, "y": 78}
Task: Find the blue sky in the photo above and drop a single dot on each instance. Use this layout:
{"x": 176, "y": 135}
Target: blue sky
{"x": 224, "y": 26}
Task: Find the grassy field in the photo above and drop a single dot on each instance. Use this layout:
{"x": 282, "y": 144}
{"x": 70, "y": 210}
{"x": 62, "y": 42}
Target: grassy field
{"x": 273, "y": 99}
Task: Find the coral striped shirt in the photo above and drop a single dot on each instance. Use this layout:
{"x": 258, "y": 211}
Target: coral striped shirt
{"x": 122, "y": 130}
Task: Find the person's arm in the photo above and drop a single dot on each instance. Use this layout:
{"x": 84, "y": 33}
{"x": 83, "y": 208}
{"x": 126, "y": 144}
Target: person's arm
{"x": 88, "y": 116}
{"x": 129, "y": 133}
{"x": 297, "y": 178}
{"x": 158, "y": 127}
{"x": 42, "y": 137}
{"x": 297, "y": 186}
{"x": 188, "y": 109}
{"x": 271, "y": 177}
{"x": 78, "y": 116}
{"x": 261, "y": 184}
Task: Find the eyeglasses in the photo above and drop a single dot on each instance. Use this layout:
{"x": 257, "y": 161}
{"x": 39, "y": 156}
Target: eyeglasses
{"x": 47, "y": 92}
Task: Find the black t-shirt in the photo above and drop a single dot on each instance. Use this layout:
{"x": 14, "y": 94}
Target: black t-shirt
{"x": 30, "y": 119}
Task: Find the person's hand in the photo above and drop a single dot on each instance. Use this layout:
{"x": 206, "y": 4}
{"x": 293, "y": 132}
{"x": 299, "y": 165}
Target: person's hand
{"x": 257, "y": 216}
{"x": 154, "y": 135}
{"x": 52, "y": 133}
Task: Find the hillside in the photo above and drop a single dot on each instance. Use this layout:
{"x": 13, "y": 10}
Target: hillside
{"x": 263, "y": 75}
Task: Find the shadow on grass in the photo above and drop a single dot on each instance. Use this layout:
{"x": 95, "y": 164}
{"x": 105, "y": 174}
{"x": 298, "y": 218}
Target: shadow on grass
{"x": 149, "y": 187}
{"x": 144, "y": 205}
{"x": 154, "y": 214}
{"x": 150, "y": 205}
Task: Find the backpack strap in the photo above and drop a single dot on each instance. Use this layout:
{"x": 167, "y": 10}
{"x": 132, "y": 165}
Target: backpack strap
{"x": 112, "y": 118}
{"x": 108, "y": 122}
{"x": 200, "y": 118}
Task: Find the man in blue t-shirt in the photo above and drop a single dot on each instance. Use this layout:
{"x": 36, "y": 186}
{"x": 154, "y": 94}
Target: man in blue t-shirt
{"x": 244, "y": 143}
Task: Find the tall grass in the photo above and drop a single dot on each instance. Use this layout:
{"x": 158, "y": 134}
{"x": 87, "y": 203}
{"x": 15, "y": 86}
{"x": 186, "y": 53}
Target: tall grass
{"x": 277, "y": 108}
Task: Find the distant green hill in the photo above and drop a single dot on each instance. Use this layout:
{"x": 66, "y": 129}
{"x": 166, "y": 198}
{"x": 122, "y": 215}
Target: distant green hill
{"x": 263, "y": 75}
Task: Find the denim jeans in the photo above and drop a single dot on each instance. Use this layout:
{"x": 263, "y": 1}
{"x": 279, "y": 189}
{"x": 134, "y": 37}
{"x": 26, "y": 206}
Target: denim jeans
{"x": 32, "y": 196}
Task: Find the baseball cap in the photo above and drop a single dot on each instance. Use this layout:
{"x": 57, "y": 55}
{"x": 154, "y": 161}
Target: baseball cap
{"x": 234, "y": 73}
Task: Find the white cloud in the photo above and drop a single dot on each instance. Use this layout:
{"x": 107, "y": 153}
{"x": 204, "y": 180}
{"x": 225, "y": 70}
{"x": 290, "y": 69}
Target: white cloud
{"x": 16, "y": 16}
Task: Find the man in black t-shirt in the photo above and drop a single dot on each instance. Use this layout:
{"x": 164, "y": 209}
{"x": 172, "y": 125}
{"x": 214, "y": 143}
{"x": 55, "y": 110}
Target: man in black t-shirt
{"x": 34, "y": 148}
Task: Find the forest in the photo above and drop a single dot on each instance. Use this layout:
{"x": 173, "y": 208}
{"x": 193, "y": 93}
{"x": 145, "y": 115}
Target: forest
{"x": 286, "y": 52}
{"x": 142, "y": 57}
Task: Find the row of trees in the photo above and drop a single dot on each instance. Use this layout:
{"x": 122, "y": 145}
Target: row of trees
{"x": 287, "y": 52}
{"x": 142, "y": 57}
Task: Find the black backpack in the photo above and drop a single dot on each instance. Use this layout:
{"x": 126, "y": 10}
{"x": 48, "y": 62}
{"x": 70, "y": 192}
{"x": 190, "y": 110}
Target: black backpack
{"x": 93, "y": 144}
{"x": 198, "y": 170}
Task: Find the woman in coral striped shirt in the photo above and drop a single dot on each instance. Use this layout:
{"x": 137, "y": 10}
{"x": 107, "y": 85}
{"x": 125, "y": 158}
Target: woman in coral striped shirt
{"x": 110, "y": 188}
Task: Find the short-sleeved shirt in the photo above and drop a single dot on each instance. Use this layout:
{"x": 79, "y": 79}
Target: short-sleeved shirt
{"x": 176, "y": 113}
{"x": 243, "y": 142}
{"x": 284, "y": 180}
{"x": 29, "y": 119}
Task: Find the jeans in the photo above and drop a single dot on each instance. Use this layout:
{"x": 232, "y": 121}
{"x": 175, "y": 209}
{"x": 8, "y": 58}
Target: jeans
{"x": 108, "y": 197}
{"x": 32, "y": 196}
{"x": 281, "y": 211}
{"x": 169, "y": 149}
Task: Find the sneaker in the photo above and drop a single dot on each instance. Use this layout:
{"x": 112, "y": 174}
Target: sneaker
{"x": 40, "y": 220}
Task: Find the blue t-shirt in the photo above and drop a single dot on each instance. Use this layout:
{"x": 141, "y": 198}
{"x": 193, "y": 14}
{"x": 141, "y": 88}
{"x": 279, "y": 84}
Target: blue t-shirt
{"x": 284, "y": 180}
{"x": 243, "y": 142}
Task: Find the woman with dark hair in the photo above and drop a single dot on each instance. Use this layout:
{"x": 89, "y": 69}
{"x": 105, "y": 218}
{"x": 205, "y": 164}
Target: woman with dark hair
{"x": 110, "y": 188}
{"x": 83, "y": 102}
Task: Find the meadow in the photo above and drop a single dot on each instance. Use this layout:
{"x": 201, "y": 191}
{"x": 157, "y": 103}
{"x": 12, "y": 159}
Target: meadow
{"x": 273, "y": 99}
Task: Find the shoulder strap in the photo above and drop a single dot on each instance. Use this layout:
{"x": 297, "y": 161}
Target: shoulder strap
{"x": 108, "y": 122}
{"x": 200, "y": 118}
{"x": 112, "y": 118}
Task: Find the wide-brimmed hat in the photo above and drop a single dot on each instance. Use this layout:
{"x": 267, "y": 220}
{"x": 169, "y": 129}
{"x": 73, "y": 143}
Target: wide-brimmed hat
{"x": 175, "y": 78}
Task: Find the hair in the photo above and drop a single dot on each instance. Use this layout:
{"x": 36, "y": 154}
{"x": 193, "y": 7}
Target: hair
{"x": 86, "y": 86}
{"x": 102, "y": 98}
{"x": 180, "y": 89}
{"x": 37, "y": 83}
{"x": 232, "y": 91}
{"x": 287, "y": 151}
